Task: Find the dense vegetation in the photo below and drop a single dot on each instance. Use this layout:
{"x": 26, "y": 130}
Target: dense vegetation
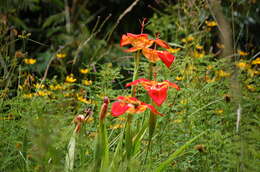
{"x": 64, "y": 104}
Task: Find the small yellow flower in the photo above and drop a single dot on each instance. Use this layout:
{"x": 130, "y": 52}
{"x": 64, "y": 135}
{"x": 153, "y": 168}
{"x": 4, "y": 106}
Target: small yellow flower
{"x": 179, "y": 78}
{"x": 251, "y": 87}
{"x": 43, "y": 93}
{"x": 188, "y": 39}
{"x": 256, "y": 61}
{"x": 116, "y": 126}
{"x": 70, "y": 78}
{"x": 177, "y": 121}
{"x": 30, "y": 61}
{"x": 242, "y": 65}
{"x": 219, "y": 111}
{"x": 242, "y": 53}
{"x": 211, "y": 23}
{"x": 209, "y": 80}
{"x": 82, "y": 99}
{"x": 197, "y": 54}
{"x": 57, "y": 87}
{"x": 39, "y": 86}
{"x": 199, "y": 47}
{"x": 209, "y": 67}
{"x": 86, "y": 82}
{"x": 252, "y": 72}
{"x": 121, "y": 118}
{"x": 28, "y": 96}
{"x": 222, "y": 73}
{"x": 61, "y": 55}
{"x": 174, "y": 50}
{"x": 89, "y": 119}
{"x": 184, "y": 102}
{"x": 92, "y": 134}
{"x": 84, "y": 71}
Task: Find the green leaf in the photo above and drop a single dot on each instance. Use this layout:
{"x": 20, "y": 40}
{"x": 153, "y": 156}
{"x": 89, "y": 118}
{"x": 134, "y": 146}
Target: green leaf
{"x": 164, "y": 164}
{"x": 18, "y": 22}
{"x": 69, "y": 163}
{"x": 54, "y": 19}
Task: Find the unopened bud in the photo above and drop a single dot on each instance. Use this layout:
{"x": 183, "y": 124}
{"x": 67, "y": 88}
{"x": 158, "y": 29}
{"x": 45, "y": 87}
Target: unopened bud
{"x": 104, "y": 107}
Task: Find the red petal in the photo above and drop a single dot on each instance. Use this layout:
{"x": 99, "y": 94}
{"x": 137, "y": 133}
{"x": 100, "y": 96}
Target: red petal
{"x": 166, "y": 57}
{"x": 173, "y": 85}
{"x": 124, "y": 41}
{"x": 151, "y": 54}
{"x": 153, "y": 109}
{"x": 137, "y": 35}
{"x": 162, "y": 43}
{"x": 119, "y": 108}
{"x": 132, "y": 49}
{"x": 137, "y": 82}
{"x": 158, "y": 95}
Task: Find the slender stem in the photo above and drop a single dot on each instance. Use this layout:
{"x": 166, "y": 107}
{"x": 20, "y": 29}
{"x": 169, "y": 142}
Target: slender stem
{"x": 136, "y": 68}
{"x": 128, "y": 135}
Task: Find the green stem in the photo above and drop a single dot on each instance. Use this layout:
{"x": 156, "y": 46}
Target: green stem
{"x": 128, "y": 135}
{"x": 136, "y": 68}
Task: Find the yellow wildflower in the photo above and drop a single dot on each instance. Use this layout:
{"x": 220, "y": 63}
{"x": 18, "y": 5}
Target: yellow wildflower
{"x": 28, "y": 96}
{"x": 61, "y": 55}
{"x": 209, "y": 67}
{"x": 43, "y": 93}
{"x": 198, "y": 54}
{"x": 121, "y": 118}
{"x": 70, "y": 78}
{"x": 256, "y": 61}
{"x": 29, "y": 61}
{"x": 84, "y": 71}
{"x": 86, "y": 82}
{"x": 222, "y": 73}
{"x": 184, "y": 102}
{"x": 251, "y": 87}
{"x": 179, "y": 78}
{"x": 252, "y": 72}
{"x": 89, "y": 119}
{"x": 174, "y": 50}
{"x": 39, "y": 86}
{"x": 219, "y": 111}
{"x": 188, "y": 39}
{"x": 116, "y": 126}
{"x": 211, "y": 23}
{"x": 242, "y": 53}
{"x": 208, "y": 79}
{"x": 199, "y": 47}
{"x": 242, "y": 65}
{"x": 177, "y": 121}
{"x": 57, "y": 87}
{"x": 92, "y": 134}
{"x": 82, "y": 99}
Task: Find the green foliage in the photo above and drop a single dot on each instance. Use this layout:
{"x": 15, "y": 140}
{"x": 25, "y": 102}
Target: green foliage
{"x": 39, "y": 104}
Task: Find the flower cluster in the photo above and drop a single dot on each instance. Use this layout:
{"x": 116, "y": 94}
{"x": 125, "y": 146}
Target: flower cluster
{"x": 156, "y": 90}
{"x": 142, "y": 42}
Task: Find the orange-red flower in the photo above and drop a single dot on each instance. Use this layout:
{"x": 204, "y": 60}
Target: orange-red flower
{"x": 130, "y": 105}
{"x": 142, "y": 42}
{"x": 156, "y": 90}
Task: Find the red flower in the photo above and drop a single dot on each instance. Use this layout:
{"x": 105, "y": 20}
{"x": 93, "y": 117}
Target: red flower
{"x": 142, "y": 42}
{"x": 156, "y": 90}
{"x": 130, "y": 105}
